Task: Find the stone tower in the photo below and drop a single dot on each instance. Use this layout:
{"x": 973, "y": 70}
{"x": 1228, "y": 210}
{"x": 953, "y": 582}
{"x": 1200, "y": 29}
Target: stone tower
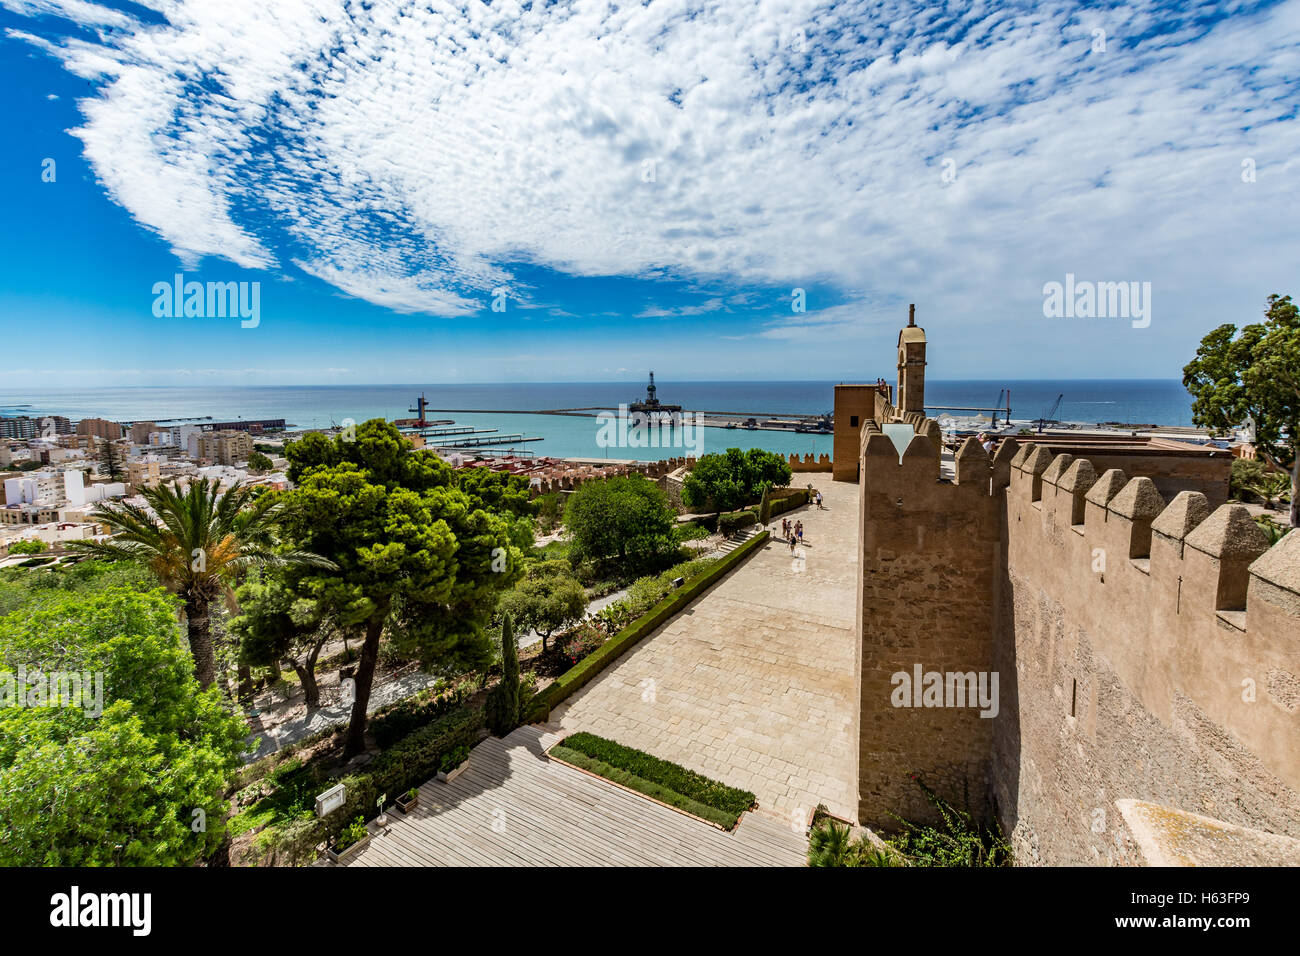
{"x": 911, "y": 366}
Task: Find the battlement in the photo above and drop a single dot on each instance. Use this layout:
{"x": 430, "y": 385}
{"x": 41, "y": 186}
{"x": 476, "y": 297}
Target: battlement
{"x": 809, "y": 463}
{"x": 1186, "y": 604}
{"x": 1142, "y": 638}
{"x": 570, "y": 476}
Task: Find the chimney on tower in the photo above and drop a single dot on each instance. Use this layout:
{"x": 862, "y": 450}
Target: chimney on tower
{"x": 911, "y": 316}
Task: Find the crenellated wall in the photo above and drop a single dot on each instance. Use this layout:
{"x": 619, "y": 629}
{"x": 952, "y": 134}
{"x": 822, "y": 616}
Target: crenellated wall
{"x": 1151, "y": 651}
{"x": 809, "y": 463}
{"x": 1145, "y": 650}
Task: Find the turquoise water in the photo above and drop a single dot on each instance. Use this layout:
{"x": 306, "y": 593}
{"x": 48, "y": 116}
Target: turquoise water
{"x": 1157, "y": 402}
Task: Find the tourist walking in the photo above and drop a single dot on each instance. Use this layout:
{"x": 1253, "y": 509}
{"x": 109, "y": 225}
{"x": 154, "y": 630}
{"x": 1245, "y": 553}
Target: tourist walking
{"x": 798, "y": 531}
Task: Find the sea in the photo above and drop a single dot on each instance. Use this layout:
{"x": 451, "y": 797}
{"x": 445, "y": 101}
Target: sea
{"x": 506, "y": 407}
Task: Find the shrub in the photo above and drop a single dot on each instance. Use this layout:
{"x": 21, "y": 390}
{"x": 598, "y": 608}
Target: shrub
{"x": 784, "y": 504}
{"x": 645, "y": 593}
{"x": 581, "y": 641}
{"x": 691, "y": 531}
{"x": 407, "y": 764}
{"x": 959, "y": 840}
{"x": 670, "y": 776}
{"x": 727, "y": 523}
{"x": 831, "y": 843}
{"x": 353, "y": 833}
{"x": 407, "y": 716}
{"x": 453, "y": 759}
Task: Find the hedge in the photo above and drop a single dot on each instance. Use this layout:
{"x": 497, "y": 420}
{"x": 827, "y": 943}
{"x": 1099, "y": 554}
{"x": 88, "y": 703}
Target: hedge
{"x": 688, "y": 783}
{"x": 585, "y": 670}
{"x": 630, "y": 780}
{"x": 781, "y": 505}
{"x": 404, "y": 718}
{"x": 407, "y": 764}
{"x": 732, "y": 520}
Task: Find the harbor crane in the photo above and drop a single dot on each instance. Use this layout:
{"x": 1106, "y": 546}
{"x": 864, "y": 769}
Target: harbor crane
{"x": 1050, "y": 414}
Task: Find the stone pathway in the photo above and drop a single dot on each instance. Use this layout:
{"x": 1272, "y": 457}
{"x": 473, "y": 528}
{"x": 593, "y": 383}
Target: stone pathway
{"x": 290, "y": 732}
{"x": 752, "y": 684}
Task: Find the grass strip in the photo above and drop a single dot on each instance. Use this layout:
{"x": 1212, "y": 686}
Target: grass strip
{"x": 630, "y": 780}
{"x": 677, "y": 779}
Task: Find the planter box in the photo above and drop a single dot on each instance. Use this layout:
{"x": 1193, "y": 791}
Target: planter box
{"x": 450, "y": 775}
{"x": 346, "y": 855}
{"x": 405, "y": 805}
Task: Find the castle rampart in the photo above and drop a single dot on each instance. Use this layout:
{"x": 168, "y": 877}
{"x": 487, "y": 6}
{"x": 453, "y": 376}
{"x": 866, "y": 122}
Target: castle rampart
{"x": 1146, "y": 650}
{"x": 1151, "y": 652}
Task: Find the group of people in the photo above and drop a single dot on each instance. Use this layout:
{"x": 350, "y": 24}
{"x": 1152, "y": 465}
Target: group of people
{"x": 792, "y": 532}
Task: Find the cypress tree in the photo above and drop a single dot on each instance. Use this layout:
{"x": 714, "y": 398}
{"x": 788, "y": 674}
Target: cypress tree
{"x": 503, "y": 700}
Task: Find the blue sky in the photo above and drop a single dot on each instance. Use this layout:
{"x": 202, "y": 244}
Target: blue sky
{"x": 649, "y": 184}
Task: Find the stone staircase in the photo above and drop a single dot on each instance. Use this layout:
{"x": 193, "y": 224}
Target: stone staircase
{"x": 738, "y": 538}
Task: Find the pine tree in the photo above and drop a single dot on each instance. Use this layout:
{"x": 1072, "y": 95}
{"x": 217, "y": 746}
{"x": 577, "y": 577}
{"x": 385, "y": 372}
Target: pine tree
{"x": 108, "y": 461}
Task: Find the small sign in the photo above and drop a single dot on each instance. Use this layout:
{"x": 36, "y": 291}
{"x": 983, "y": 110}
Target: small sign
{"x": 330, "y": 800}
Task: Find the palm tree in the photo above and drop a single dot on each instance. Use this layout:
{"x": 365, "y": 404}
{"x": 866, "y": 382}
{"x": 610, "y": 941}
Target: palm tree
{"x": 197, "y": 543}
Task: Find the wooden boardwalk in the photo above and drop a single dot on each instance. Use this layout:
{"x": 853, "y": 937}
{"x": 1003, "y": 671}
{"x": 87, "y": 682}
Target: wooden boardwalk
{"x": 514, "y": 807}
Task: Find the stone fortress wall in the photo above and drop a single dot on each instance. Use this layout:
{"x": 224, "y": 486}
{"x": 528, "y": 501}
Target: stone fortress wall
{"x": 1146, "y": 650}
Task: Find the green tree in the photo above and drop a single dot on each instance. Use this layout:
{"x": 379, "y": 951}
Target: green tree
{"x": 503, "y": 700}
{"x": 418, "y": 557}
{"x": 734, "y": 478}
{"x": 197, "y": 543}
{"x": 547, "y": 599}
{"x": 110, "y": 462}
{"x": 280, "y": 620}
{"x": 498, "y": 491}
{"x": 140, "y": 784}
{"x": 259, "y": 462}
{"x": 27, "y": 546}
{"x": 627, "y": 517}
{"x": 1255, "y": 374}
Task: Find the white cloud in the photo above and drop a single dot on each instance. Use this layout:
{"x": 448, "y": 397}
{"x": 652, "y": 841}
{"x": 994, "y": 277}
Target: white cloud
{"x": 410, "y": 156}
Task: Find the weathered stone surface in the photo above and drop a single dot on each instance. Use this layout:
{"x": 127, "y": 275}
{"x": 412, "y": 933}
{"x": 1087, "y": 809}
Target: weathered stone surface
{"x": 1037, "y": 461}
{"x": 1229, "y": 533}
{"x": 1138, "y": 500}
{"x": 1168, "y": 836}
{"x": 1111, "y": 483}
{"x": 1078, "y": 478}
{"x": 1185, "y": 512}
{"x": 1280, "y": 565}
{"x": 1057, "y": 468}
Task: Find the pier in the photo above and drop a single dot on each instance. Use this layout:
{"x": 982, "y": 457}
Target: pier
{"x": 483, "y": 443}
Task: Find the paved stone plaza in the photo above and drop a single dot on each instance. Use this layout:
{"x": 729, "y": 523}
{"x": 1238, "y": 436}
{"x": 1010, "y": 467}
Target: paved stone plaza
{"x": 751, "y": 684}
